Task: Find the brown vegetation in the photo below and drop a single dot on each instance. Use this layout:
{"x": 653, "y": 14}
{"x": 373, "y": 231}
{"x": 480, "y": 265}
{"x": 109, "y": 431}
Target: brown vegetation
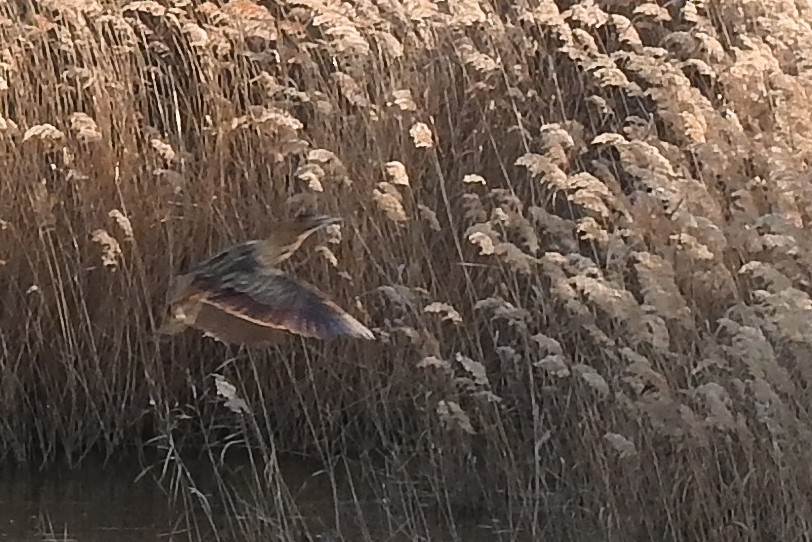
{"x": 578, "y": 229}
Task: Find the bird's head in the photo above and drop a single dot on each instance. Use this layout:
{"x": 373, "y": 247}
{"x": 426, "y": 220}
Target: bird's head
{"x": 287, "y": 236}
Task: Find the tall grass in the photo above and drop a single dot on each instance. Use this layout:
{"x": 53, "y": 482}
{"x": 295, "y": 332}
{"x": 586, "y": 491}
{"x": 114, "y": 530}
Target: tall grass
{"x": 579, "y": 230}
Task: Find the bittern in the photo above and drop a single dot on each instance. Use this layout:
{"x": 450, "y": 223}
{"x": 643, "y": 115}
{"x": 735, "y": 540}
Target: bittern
{"x": 239, "y": 295}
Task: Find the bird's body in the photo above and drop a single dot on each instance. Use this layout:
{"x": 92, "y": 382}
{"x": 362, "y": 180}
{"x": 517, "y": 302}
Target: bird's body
{"x": 239, "y": 296}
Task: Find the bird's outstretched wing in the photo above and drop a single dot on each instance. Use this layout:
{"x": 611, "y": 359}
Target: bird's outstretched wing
{"x": 270, "y": 299}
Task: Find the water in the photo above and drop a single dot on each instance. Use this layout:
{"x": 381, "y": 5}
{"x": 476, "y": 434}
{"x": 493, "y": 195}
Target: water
{"x": 102, "y": 503}
{"x": 93, "y": 503}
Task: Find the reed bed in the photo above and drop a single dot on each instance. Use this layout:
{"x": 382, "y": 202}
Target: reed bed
{"x": 579, "y": 230}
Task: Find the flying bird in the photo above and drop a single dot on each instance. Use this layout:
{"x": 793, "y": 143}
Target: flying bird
{"x": 240, "y": 296}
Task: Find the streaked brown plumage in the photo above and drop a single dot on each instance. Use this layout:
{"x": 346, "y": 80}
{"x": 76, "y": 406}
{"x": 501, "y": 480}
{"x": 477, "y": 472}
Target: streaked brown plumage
{"x": 239, "y": 296}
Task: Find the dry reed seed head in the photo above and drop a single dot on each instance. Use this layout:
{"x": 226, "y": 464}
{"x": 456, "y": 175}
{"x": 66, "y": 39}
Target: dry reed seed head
{"x": 351, "y": 90}
{"x": 658, "y": 286}
{"x": 246, "y": 10}
{"x": 588, "y": 14}
{"x": 110, "y": 248}
{"x": 717, "y": 404}
{"x": 332, "y": 165}
{"x": 85, "y": 128}
{"x": 391, "y": 189}
{"x": 472, "y": 57}
{"x": 254, "y": 21}
{"x": 389, "y": 45}
{"x": 47, "y": 134}
{"x": 558, "y": 136}
{"x": 475, "y": 369}
{"x": 123, "y": 223}
{"x": 196, "y": 36}
{"x": 403, "y": 100}
{"x": 507, "y": 199}
{"x": 435, "y": 362}
{"x": 452, "y": 415}
{"x": 589, "y": 229}
{"x": 447, "y": 312}
{"x": 592, "y": 195}
{"x": 499, "y": 217}
{"x": 421, "y": 10}
{"x": 474, "y": 209}
{"x": 81, "y": 79}
{"x": 482, "y": 239}
{"x": 542, "y": 166}
{"x": 750, "y": 346}
{"x": 8, "y": 128}
{"x": 228, "y": 391}
{"x": 652, "y": 13}
{"x": 766, "y": 276}
{"x": 785, "y": 314}
{"x": 604, "y": 294}
{"x": 547, "y": 344}
{"x": 333, "y": 234}
{"x": 657, "y": 334}
{"x": 342, "y": 30}
{"x": 323, "y": 156}
{"x": 592, "y": 378}
{"x": 626, "y": 32}
{"x": 403, "y": 297}
{"x": 148, "y": 7}
{"x": 640, "y": 374}
{"x": 429, "y": 216}
{"x": 312, "y": 175}
{"x": 499, "y": 308}
{"x": 396, "y": 173}
{"x": 164, "y": 150}
{"x": 468, "y": 13}
{"x": 390, "y": 206}
{"x": 271, "y": 87}
{"x": 689, "y": 245}
{"x": 474, "y": 179}
{"x": 623, "y": 446}
{"x": 279, "y": 129}
{"x": 328, "y": 255}
{"x": 421, "y": 135}
{"x": 554, "y": 364}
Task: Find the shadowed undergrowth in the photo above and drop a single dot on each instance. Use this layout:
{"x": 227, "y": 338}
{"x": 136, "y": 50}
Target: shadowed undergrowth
{"x": 578, "y": 229}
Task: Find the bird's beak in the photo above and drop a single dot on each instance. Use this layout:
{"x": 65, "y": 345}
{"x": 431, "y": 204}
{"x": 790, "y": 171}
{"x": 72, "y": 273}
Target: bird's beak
{"x": 318, "y": 222}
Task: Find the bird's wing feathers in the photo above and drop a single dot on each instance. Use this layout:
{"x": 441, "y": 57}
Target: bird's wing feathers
{"x": 235, "y": 259}
{"x": 270, "y": 298}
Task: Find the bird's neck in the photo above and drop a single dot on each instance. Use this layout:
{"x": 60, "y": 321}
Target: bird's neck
{"x": 271, "y": 252}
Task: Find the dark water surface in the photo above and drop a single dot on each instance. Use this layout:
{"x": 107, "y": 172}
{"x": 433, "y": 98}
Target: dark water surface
{"x": 92, "y": 503}
{"x": 104, "y": 503}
